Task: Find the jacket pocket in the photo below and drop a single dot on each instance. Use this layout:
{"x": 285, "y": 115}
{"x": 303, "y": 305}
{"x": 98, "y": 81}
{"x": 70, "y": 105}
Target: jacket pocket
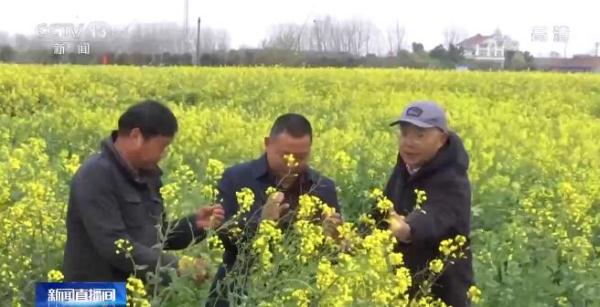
{"x": 133, "y": 211}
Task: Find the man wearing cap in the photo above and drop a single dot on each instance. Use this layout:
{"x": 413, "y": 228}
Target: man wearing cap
{"x": 433, "y": 159}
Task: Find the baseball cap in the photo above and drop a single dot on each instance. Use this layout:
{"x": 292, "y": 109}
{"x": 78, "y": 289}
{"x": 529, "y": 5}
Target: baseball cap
{"x": 424, "y": 114}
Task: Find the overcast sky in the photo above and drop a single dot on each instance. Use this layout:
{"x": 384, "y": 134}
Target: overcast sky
{"x": 248, "y": 21}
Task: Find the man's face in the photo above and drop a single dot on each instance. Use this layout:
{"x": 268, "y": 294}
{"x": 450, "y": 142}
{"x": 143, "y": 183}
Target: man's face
{"x": 148, "y": 151}
{"x": 419, "y": 145}
{"x": 282, "y": 145}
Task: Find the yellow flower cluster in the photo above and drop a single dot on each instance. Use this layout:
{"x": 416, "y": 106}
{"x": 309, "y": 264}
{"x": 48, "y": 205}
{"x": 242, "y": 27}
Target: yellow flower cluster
{"x": 270, "y": 190}
{"x": 267, "y": 237}
{"x": 396, "y": 259}
{"x": 359, "y": 276}
{"x": 453, "y": 247}
{"x": 123, "y": 246}
{"x": 421, "y": 198}
{"x": 349, "y": 235}
{"x": 308, "y": 205}
{"x": 325, "y": 275}
{"x": 436, "y": 266}
{"x": 245, "y": 199}
{"x": 367, "y": 220}
{"x": 235, "y": 231}
{"x": 474, "y": 294}
{"x": 428, "y": 301}
{"x": 69, "y": 162}
{"x": 136, "y": 293}
{"x": 209, "y": 192}
{"x": 290, "y": 160}
{"x": 214, "y": 170}
{"x": 55, "y": 276}
{"x": 169, "y": 193}
{"x": 311, "y": 239}
{"x": 376, "y": 246}
{"x": 216, "y": 244}
{"x": 302, "y": 297}
{"x": 383, "y": 204}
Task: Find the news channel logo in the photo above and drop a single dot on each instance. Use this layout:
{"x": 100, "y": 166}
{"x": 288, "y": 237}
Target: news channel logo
{"x": 74, "y": 37}
{"x": 55, "y": 294}
{"x": 68, "y": 31}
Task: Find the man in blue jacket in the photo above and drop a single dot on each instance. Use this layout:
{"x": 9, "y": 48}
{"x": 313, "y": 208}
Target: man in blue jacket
{"x": 290, "y": 136}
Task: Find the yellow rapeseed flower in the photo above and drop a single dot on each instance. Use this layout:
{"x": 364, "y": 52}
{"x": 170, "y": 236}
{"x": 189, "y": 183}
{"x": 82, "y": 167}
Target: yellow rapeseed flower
{"x": 301, "y": 297}
{"x": 136, "y": 293}
{"x": 396, "y": 259}
{"x": 216, "y": 244}
{"x": 290, "y": 160}
{"x": 123, "y": 246}
{"x": 245, "y": 199}
{"x": 55, "y": 276}
{"x": 436, "y": 266}
{"x": 474, "y": 294}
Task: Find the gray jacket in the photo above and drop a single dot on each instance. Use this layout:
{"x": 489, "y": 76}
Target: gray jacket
{"x": 107, "y": 202}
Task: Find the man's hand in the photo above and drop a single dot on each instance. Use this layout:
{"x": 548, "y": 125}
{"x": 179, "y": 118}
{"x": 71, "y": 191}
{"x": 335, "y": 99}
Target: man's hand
{"x": 210, "y": 217}
{"x": 330, "y": 224}
{"x": 399, "y": 227}
{"x": 273, "y": 208}
{"x": 195, "y": 267}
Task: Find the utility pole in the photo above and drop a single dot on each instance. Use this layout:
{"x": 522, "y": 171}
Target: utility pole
{"x": 198, "y": 61}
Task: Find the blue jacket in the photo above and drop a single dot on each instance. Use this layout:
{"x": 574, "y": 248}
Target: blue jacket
{"x": 255, "y": 175}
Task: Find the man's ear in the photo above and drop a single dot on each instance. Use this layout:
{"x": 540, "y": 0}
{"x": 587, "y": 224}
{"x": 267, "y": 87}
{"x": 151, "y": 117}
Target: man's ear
{"x": 445, "y": 137}
{"x": 137, "y": 135}
{"x": 267, "y": 141}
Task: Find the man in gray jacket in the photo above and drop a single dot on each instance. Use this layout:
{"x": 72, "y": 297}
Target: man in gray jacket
{"x": 115, "y": 195}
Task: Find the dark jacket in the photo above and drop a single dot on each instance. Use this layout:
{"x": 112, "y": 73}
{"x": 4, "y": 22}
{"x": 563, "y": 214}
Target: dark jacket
{"x": 107, "y": 202}
{"x": 255, "y": 175}
{"x": 447, "y": 214}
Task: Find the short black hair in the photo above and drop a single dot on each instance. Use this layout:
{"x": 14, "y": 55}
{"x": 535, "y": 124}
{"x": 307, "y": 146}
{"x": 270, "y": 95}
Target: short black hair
{"x": 151, "y": 117}
{"x": 294, "y": 124}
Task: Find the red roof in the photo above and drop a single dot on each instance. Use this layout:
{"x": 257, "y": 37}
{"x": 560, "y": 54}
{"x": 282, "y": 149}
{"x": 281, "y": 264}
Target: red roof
{"x": 474, "y": 40}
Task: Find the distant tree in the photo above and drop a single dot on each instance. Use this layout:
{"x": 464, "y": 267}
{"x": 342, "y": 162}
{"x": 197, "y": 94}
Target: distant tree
{"x": 529, "y": 59}
{"x": 212, "y": 40}
{"x": 439, "y": 52}
{"x": 418, "y": 48}
{"x": 7, "y": 54}
{"x": 456, "y": 54}
{"x": 395, "y": 37}
{"x": 186, "y": 59}
{"x": 453, "y": 36}
{"x": 285, "y": 37}
{"x": 508, "y": 56}
{"x": 518, "y": 62}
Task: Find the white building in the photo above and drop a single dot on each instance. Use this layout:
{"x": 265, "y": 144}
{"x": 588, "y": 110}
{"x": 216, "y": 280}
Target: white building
{"x": 489, "y": 48}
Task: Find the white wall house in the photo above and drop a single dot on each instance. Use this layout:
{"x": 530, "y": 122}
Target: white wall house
{"x": 489, "y": 48}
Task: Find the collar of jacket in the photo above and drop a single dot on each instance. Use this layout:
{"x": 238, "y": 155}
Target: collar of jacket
{"x": 108, "y": 146}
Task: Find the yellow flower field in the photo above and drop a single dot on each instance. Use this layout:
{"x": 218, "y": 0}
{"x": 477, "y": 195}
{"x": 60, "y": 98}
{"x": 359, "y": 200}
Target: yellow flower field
{"x": 533, "y": 140}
